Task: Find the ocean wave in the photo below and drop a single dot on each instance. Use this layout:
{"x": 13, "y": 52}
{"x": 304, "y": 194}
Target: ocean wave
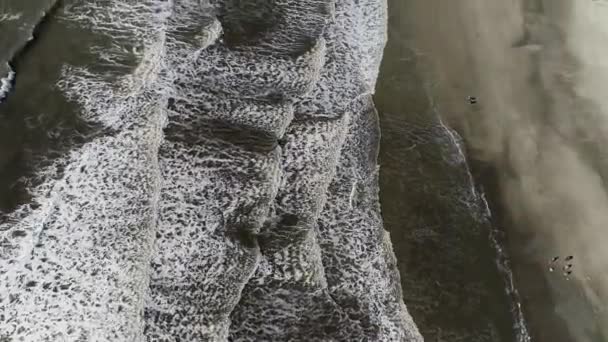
{"x": 199, "y": 207}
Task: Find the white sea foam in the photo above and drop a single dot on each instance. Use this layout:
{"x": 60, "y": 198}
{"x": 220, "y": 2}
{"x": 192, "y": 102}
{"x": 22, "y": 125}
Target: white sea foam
{"x": 6, "y": 83}
{"x": 74, "y": 249}
{"x": 109, "y": 238}
{"x": 10, "y": 16}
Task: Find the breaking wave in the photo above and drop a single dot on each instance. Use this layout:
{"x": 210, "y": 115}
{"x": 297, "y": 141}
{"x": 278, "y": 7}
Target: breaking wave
{"x": 219, "y": 199}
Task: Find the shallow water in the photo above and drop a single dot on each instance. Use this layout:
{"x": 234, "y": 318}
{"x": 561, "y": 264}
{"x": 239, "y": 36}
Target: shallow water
{"x": 536, "y": 139}
{"x": 438, "y": 221}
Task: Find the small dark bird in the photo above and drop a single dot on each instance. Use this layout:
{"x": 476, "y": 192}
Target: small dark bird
{"x": 472, "y": 99}
{"x": 569, "y": 273}
{"x": 569, "y": 257}
{"x": 555, "y": 259}
{"x": 567, "y": 267}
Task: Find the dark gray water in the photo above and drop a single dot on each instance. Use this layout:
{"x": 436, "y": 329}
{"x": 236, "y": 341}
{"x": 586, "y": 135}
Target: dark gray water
{"x": 17, "y": 22}
{"x": 39, "y": 124}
